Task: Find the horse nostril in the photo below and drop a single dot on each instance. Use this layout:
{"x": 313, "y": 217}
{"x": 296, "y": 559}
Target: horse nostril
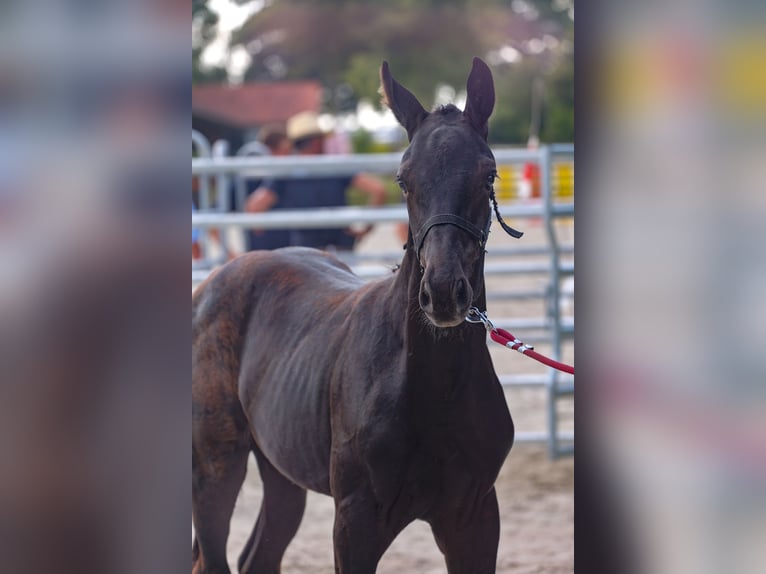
{"x": 461, "y": 292}
{"x": 425, "y": 299}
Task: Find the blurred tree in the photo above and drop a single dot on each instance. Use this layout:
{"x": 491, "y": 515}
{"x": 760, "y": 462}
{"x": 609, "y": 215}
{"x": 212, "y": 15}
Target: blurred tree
{"x": 511, "y": 119}
{"x": 362, "y": 141}
{"x": 342, "y": 42}
{"x": 550, "y": 80}
{"x": 204, "y": 28}
{"x": 558, "y": 121}
{"x": 427, "y": 42}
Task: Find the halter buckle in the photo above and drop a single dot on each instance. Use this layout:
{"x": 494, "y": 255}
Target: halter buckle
{"x": 476, "y": 316}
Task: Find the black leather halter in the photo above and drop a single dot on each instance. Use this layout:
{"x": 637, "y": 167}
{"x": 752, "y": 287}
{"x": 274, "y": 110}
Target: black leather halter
{"x": 451, "y": 219}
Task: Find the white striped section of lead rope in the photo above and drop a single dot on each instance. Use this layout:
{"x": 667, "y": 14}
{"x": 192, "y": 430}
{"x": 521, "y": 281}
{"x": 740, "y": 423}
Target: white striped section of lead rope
{"x": 521, "y": 346}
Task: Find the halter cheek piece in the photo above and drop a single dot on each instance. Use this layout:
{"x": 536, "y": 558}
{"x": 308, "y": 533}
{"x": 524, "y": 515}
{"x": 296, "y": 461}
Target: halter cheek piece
{"x": 480, "y": 235}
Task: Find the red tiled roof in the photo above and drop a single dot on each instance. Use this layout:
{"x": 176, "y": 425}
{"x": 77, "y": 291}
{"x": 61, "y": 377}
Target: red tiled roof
{"x": 256, "y": 104}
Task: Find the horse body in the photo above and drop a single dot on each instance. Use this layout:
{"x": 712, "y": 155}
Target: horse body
{"x": 353, "y": 390}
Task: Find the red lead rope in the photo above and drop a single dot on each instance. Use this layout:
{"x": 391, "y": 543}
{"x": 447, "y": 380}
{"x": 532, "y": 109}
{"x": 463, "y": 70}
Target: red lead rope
{"x": 506, "y": 339}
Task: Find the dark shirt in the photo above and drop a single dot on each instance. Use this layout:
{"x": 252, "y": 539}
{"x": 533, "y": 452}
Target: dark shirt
{"x": 271, "y": 238}
{"x": 307, "y": 193}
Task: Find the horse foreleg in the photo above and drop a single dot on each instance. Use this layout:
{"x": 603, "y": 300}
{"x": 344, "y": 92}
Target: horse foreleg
{"x": 359, "y": 536}
{"x": 278, "y": 521}
{"x": 469, "y": 538}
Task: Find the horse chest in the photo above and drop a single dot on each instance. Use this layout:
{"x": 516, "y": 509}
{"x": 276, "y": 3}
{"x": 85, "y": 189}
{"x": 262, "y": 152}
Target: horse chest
{"x": 413, "y": 474}
{"x": 450, "y": 435}
{"x": 425, "y": 449}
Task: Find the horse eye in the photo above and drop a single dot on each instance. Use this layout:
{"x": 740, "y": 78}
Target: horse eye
{"x": 491, "y": 179}
{"x": 401, "y": 185}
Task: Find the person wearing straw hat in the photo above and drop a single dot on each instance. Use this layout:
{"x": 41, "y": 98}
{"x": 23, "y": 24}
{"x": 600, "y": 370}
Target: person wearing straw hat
{"x": 307, "y": 136}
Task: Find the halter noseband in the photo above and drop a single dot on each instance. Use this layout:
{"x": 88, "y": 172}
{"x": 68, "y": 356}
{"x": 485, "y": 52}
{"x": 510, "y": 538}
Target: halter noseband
{"x": 451, "y": 219}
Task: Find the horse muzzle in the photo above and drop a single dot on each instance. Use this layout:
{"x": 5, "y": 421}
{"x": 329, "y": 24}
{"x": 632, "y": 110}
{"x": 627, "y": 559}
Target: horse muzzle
{"x": 445, "y": 297}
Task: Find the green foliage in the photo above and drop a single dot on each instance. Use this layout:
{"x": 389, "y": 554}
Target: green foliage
{"x": 362, "y": 75}
{"x": 559, "y": 121}
{"x": 204, "y": 25}
{"x": 362, "y": 141}
{"x": 510, "y": 123}
{"x": 513, "y": 100}
{"x": 393, "y": 193}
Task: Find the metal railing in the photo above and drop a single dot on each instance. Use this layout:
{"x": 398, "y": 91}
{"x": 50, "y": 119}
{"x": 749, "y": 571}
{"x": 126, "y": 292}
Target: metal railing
{"x": 553, "y": 328}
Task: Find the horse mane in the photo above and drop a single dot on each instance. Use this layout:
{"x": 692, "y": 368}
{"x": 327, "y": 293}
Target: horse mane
{"x": 447, "y": 110}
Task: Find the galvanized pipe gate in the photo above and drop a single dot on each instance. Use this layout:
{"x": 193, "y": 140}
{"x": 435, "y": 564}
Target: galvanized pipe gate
{"x": 555, "y": 202}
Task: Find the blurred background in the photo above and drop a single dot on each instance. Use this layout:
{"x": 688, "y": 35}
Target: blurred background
{"x": 339, "y": 45}
{"x": 671, "y": 201}
{"x": 94, "y": 399}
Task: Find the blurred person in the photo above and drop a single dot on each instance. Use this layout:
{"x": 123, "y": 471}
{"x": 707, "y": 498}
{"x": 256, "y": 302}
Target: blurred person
{"x": 337, "y": 143}
{"x": 275, "y": 138}
{"x": 308, "y": 138}
{"x": 269, "y": 193}
{"x": 92, "y": 300}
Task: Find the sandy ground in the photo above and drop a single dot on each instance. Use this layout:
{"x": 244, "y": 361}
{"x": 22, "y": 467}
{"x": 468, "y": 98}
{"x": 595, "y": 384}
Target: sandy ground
{"x": 536, "y": 508}
{"x": 535, "y": 493}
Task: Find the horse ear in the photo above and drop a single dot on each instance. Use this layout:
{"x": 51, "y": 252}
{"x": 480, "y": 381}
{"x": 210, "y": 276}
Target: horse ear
{"x": 406, "y": 107}
{"x": 481, "y": 96}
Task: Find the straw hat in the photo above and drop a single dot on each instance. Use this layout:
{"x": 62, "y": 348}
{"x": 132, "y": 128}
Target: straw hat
{"x": 304, "y": 125}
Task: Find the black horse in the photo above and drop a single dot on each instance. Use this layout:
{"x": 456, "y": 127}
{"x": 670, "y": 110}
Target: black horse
{"x": 377, "y": 394}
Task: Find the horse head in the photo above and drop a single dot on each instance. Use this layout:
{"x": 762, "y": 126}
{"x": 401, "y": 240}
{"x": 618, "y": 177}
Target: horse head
{"x": 447, "y": 176}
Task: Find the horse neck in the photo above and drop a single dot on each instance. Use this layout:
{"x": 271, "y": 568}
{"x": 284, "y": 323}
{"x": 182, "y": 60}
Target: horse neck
{"x": 444, "y": 357}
